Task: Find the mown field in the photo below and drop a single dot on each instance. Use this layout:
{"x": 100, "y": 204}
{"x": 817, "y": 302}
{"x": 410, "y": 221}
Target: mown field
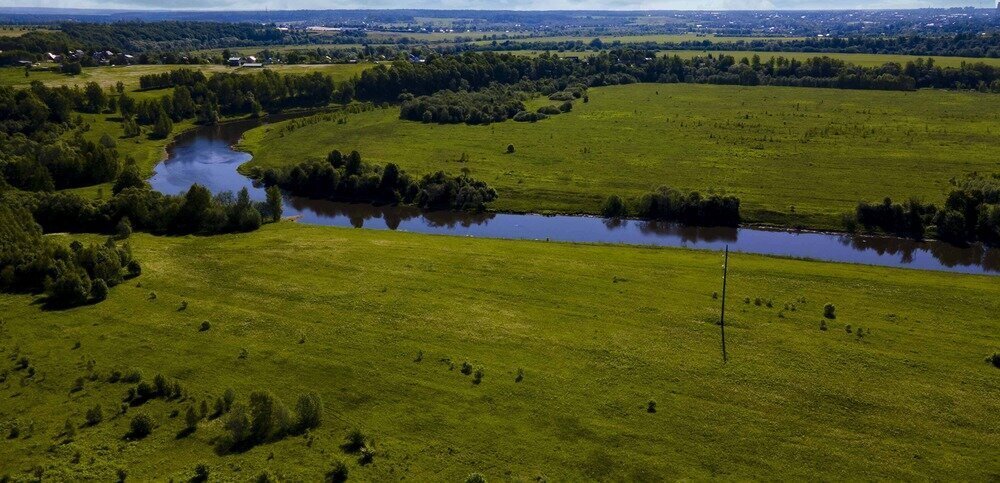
{"x": 794, "y": 156}
{"x": 370, "y": 319}
{"x": 129, "y": 75}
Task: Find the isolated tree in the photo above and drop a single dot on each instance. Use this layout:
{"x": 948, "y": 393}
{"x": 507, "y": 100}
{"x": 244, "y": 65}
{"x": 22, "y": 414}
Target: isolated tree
{"x": 191, "y": 418}
{"x": 308, "y": 411}
{"x": 163, "y": 125}
{"x": 140, "y": 426}
{"x": 95, "y": 98}
{"x": 274, "y": 203}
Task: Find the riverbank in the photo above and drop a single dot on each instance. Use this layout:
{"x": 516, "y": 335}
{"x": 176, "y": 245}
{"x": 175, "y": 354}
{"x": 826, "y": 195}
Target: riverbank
{"x": 208, "y": 157}
{"x": 796, "y": 157}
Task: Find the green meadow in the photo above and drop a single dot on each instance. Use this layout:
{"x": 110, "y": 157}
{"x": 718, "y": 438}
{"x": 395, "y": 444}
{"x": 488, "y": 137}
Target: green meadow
{"x": 864, "y": 60}
{"x": 795, "y": 156}
{"x": 379, "y": 323}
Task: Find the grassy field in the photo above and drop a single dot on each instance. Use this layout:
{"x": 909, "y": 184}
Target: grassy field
{"x": 777, "y": 148}
{"x": 598, "y": 331}
{"x": 17, "y": 31}
{"x": 637, "y": 39}
{"x": 129, "y": 75}
{"x": 865, "y": 60}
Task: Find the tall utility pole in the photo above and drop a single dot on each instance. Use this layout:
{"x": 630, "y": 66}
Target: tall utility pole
{"x": 722, "y": 318}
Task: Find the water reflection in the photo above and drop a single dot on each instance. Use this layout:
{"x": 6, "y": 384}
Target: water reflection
{"x": 205, "y": 156}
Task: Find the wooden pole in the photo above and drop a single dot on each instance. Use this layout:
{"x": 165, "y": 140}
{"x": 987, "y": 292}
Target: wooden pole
{"x": 722, "y": 318}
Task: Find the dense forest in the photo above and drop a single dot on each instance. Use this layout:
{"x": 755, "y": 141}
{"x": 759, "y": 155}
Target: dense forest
{"x": 41, "y": 144}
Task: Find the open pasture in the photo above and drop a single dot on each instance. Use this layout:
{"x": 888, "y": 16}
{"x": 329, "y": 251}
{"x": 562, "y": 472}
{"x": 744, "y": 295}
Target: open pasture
{"x": 379, "y": 324}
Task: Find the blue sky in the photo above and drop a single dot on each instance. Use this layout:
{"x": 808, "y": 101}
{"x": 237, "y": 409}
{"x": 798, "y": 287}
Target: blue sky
{"x": 505, "y": 4}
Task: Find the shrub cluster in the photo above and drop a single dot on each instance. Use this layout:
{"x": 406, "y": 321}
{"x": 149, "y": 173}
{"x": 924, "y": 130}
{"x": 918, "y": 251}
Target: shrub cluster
{"x": 348, "y": 178}
{"x": 668, "y": 204}
{"x": 493, "y": 104}
{"x": 69, "y": 276}
{"x": 265, "y": 418}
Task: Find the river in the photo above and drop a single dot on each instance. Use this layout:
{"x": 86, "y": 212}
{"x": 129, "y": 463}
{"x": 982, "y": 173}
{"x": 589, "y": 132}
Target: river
{"x": 206, "y": 156}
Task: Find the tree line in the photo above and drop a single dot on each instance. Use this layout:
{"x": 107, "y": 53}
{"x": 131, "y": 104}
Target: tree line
{"x": 669, "y": 204}
{"x": 971, "y": 213}
{"x": 347, "y": 178}
{"x": 957, "y": 45}
{"x": 475, "y": 71}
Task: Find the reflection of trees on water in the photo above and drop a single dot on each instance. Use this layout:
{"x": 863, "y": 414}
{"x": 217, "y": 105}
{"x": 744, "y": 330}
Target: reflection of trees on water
{"x": 393, "y": 216}
{"x": 687, "y": 234}
{"x": 949, "y": 255}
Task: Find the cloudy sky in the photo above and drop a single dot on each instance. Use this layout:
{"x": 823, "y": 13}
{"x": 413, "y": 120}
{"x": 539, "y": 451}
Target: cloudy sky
{"x": 503, "y": 4}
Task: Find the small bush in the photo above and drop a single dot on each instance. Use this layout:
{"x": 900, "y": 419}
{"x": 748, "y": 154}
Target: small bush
{"x": 614, "y": 207}
{"x": 746, "y": 300}
{"x": 228, "y": 397}
{"x": 366, "y": 456}
{"x": 994, "y": 359}
{"x": 94, "y": 415}
{"x": 140, "y": 426}
{"x": 183, "y": 306}
{"x": 161, "y": 387}
{"x": 830, "y": 311}
{"x": 715, "y": 295}
{"x": 651, "y": 406}
{"x": 510, "y": 149}
{"x": 478, "y": 376}
{"x": 205, "y": 325}
{"x": 757, "y": 301}
{"x": 132, "y": 376}
{"x": 99, "y": 290}
{"x": 549, "y": 110}
{"x": 191, "y": 418}
{"x": 200, "y": 474}
{"x": 466, "y": 368}
{"x": 308, "y": 411}
{"x": 520, "y": 375}
{"x": 338, "y": 473}
{"x": 822, "y": 325}
{"x": 848, "y": 328}
{"x": 356, "y": 440}
{"x": 123, "y": 229}
{"x": 475, "y": 478}
{"x": 133, "y": 268}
